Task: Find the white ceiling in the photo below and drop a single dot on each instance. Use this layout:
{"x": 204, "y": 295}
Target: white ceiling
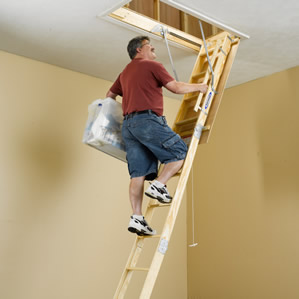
{"x": 68, "y": 34}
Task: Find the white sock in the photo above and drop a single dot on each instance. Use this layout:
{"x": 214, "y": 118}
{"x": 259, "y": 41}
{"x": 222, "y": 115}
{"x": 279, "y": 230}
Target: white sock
{"x": 158, "y": 184}
{"x": 139, "y": 217}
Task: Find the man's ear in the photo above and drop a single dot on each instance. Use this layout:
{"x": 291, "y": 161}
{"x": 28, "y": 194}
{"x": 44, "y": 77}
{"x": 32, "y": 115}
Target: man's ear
{"x": 138, "y": 50}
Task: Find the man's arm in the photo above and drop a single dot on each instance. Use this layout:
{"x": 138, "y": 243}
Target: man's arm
{"x": 182, "y": 87}
{"x": 112, "y": 95}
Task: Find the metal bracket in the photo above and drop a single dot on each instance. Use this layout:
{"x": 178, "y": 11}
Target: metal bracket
{"x": 163, "y": 246}
{"x": 232, "y": 38}
{"x": 204, "y": 112}
{"x": 198, "y": 130}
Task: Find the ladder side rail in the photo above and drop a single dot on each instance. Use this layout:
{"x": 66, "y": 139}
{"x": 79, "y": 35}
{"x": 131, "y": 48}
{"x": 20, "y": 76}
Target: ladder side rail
{"x": 223, "y": 65}
{"x": 221, "y": 60}
{"x": 168, "y": 227}
{"x": 133, "y": 257}
{"x": 217, "y": 73}
{"x": 127, "y": 275}
{"x": 218, "y": 97}
{"x": 207, "y": 76}
{"x": 195, "y": 70}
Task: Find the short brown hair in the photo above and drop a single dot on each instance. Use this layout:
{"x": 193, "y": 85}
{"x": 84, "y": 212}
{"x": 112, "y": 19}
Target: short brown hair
{"x": 135, "y": 43}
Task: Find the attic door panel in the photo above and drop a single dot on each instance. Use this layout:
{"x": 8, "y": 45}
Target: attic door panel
{"x": 145, "y": 7}
{"x": 170, "y": 16}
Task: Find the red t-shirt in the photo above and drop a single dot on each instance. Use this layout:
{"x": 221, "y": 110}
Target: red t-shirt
{"x": 140, "y": 85}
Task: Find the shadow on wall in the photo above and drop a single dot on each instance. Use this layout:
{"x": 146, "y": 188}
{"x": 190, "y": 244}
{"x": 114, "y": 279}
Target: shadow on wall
{"x": 277, "y": 132}
{"x": 44, "y": 153}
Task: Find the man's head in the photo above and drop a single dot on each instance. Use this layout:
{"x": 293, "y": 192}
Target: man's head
{"x": 140, "y": 47}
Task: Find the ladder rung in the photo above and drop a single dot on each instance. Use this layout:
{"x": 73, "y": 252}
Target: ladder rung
{"x": 190, "y": 132}
{"x": 197, "y": 76}
{"x": 209, "y": 50}
{"x": 201, "y": 80}
{"x": 186, "y": 133}
{"x": 149, "y": 237}
{"x": 186, "y": 121}
{"x": 137, "y": 269}
{"x": 159, "y": 205}
{"x": 190, "y": 98}
{"x": 201, "y": 76}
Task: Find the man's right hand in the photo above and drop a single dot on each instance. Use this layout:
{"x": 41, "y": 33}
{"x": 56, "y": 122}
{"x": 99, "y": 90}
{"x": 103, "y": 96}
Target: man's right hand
{"x": 203, "y": 87}
{"x": 182, "y": 87}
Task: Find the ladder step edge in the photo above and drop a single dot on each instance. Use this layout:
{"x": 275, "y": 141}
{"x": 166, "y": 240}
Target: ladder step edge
{"x": 137, "y": 269}
{"x": 190, "y": 97}
{"x": 199, "y": 74}
{"x": 149, "y": 237}
{"x": 185, "y": 121}
{"x": 209, "y": 50}
{"x": 159, "y": 205}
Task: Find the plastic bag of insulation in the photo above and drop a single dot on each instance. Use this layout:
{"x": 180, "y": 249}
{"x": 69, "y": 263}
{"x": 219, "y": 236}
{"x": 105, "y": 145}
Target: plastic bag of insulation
{"x": 103, "y": 128}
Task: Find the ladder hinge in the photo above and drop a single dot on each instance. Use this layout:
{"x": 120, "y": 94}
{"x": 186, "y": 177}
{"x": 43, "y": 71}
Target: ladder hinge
{"x": 232, "y": 38}
{"x": 198, "y": 130}
{"x": 163, "y": 246}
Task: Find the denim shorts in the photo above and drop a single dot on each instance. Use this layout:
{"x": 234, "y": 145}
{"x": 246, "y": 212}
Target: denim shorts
{"x": 148, "y": 139}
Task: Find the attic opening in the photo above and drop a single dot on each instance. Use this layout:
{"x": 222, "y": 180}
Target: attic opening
{"x": 172, "y": 16}
{"x": 183, "y": 28}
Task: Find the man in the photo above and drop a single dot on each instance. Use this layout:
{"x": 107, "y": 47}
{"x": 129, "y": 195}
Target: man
{"x": 145, "y": 132}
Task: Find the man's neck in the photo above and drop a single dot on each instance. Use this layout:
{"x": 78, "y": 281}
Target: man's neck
{"x": 138, "y": 56}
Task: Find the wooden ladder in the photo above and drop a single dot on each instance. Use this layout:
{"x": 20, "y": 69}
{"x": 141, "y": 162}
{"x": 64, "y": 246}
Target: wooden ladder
{"x": 193, "y": 123}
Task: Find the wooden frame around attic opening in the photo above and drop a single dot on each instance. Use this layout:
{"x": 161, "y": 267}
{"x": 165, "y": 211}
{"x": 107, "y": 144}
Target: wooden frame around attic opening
{"x": 127, "y": 17}
{"x": 130, "y": 17}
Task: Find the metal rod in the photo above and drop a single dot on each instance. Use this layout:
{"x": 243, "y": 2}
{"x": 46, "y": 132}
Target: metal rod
{"x": 164, "y": 32}
{"x": 207, "y": 53}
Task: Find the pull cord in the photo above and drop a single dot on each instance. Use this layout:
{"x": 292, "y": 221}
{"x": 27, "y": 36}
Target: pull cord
{"x": 193, "y": 229}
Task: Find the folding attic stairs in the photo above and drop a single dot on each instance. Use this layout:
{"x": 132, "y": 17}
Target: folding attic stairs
{"x": 193, "y": 123}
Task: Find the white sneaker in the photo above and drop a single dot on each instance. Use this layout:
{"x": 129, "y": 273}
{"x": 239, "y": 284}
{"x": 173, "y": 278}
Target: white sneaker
{"x": 140, "y": 227}
{"x": 161, "y": 194}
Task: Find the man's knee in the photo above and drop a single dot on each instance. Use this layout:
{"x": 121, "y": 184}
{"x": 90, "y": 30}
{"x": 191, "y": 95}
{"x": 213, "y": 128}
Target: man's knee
{"x": 137, "y": 180}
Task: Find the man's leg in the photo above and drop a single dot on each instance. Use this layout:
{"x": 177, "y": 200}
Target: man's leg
{"x": 136, "y": 194}
{"x": 158, "y": 189}
{"x": 169, "y": 170}
{"x": 137, "y": 223}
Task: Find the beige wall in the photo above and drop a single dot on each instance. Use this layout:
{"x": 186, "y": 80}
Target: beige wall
{"x": 58, "y": 197}
{"x": 246, "y": 191}
{"x": 64, "y": 207}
